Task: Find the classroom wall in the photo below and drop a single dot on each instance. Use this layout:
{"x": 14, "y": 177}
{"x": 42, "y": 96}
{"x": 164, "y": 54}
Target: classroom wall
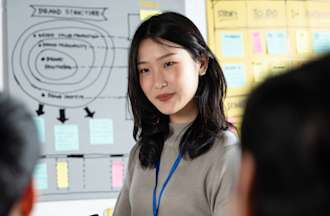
{"x": 254, "y": 40}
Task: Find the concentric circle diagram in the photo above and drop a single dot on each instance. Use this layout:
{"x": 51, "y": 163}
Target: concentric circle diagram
{"x": 63, "y": 63}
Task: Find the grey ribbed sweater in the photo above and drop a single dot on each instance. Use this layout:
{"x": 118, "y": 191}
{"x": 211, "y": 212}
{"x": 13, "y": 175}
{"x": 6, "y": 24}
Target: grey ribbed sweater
{"x": 201, "y": 187}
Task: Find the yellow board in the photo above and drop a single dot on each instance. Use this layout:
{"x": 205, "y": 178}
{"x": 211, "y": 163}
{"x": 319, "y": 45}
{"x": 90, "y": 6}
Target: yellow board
{"x": 296, "y": 14}
{"x": 266, "y": 13}
{"x": 230, "y": 14}
{"x": 234, "y": 106}
{"x": 318, "y": 13}
{"x": 255, "y": 39}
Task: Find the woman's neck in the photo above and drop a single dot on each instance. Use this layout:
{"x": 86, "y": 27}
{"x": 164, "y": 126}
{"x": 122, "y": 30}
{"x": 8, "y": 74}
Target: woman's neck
{"x": 185, "y": 115}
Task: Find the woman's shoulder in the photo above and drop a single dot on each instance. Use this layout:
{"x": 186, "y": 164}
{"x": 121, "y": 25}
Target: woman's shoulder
{"x": 226, "y": 152}
{"x": 226, "y": 147}
{"x": 226, "y": 140}
{"x": 134, "y": 152}
{"x": 133, "y": 158}
{"x": 230, "y": 139}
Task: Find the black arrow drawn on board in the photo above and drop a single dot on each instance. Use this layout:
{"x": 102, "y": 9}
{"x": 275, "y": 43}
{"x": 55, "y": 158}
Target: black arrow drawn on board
{"x": 89, "y": 113}
{"x": 62, "y": 117}
{"x": 40, "y": 110}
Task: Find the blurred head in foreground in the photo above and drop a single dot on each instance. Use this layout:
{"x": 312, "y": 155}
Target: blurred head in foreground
{"x": 286, "y": 145}
{"x": 18, "y": 157}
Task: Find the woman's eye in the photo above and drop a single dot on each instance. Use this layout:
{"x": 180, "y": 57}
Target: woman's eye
{"x": 168, "y": 64}
{"x": 143, "y": 70}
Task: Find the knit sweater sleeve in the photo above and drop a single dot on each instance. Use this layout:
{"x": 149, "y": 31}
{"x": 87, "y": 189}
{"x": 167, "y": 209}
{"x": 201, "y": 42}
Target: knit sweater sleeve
{"x": 224, "y": 176}
{"x": 123, "y": 207}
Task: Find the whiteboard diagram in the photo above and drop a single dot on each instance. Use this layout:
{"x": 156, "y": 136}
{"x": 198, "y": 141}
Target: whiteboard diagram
{"x": 64, "y": 63}
{"x": 52, "y": 57}
{"x": 67, "y": 60}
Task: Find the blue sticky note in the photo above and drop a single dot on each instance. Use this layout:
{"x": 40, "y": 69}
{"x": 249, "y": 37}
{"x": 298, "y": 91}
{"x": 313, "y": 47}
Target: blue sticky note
{"x": 40, "y": 124}
{"x": 277, "y": 43}
{"x": 66, "y": 137}
{"x": 101, "y": 131}
{"x": 232, "y": 44}
{"x": 235, "y": 75}
{"x": 321, "y": 42}
{"x": 40, "y": 176}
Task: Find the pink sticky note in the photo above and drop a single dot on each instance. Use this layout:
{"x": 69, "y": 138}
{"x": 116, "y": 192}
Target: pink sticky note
{"x": 117, "y": 174}
{"x": 256, "y": 41}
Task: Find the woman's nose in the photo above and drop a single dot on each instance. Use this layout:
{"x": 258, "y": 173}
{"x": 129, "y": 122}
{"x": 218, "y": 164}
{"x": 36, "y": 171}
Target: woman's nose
{"x": 159, "y": 80}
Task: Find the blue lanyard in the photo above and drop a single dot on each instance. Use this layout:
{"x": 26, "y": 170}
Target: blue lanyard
{"x": 156, "y": 205}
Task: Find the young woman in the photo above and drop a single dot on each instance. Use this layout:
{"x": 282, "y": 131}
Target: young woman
{"x": 186, "y": 160}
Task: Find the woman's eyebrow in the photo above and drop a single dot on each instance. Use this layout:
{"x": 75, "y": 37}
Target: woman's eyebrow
{"x": 165, "y": 56}
{"x": 159, "y": 58}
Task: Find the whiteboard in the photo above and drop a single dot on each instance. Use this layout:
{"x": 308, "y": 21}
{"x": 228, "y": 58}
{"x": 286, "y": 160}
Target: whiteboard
{"x": 67, "y": 60}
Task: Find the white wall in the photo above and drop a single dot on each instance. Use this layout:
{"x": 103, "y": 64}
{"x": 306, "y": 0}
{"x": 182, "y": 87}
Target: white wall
{"x": 196, "y": 11}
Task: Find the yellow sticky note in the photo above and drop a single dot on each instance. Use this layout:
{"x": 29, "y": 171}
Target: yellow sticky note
{"x": 62, "y": 174}
{"x": 229, "y": 14}
{"x": 108, "y": 212}
{"x": 302, "y": 41}
{"x": 149, "y": 4}
{"x": 318, "y": 13}
{"x": 296, "y": 13}
{"x": 234, "y": 106}
{"x": 278, "y": 67}
{"x": 266, "y": 13}
{"x": 260, "y": 70}
{"x": 145, "y": 14}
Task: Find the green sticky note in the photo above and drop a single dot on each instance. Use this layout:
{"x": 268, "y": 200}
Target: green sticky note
{"x": 66, "y": 137}
{"x": 40, "y": 176}
{"x": 235, "y": 75}
{"x": 232, "y": 44}
{"x": 277, "y": 43}
{"x": 40, "y": 125}
{"x": 321, "y": 42}
{"x": 101, "y": 131}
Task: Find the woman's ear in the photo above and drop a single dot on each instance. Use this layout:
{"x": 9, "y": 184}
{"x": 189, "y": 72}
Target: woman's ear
{"x": 204, "y": 62}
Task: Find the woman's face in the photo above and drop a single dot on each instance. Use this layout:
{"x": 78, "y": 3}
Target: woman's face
{"x": 169, "y": 78}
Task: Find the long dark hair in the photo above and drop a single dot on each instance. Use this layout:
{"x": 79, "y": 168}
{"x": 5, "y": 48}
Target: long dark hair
{"x": 151, "y": 127}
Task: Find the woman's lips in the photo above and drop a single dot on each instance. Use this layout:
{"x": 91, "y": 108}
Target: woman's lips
{"x": 165, "y": 97}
